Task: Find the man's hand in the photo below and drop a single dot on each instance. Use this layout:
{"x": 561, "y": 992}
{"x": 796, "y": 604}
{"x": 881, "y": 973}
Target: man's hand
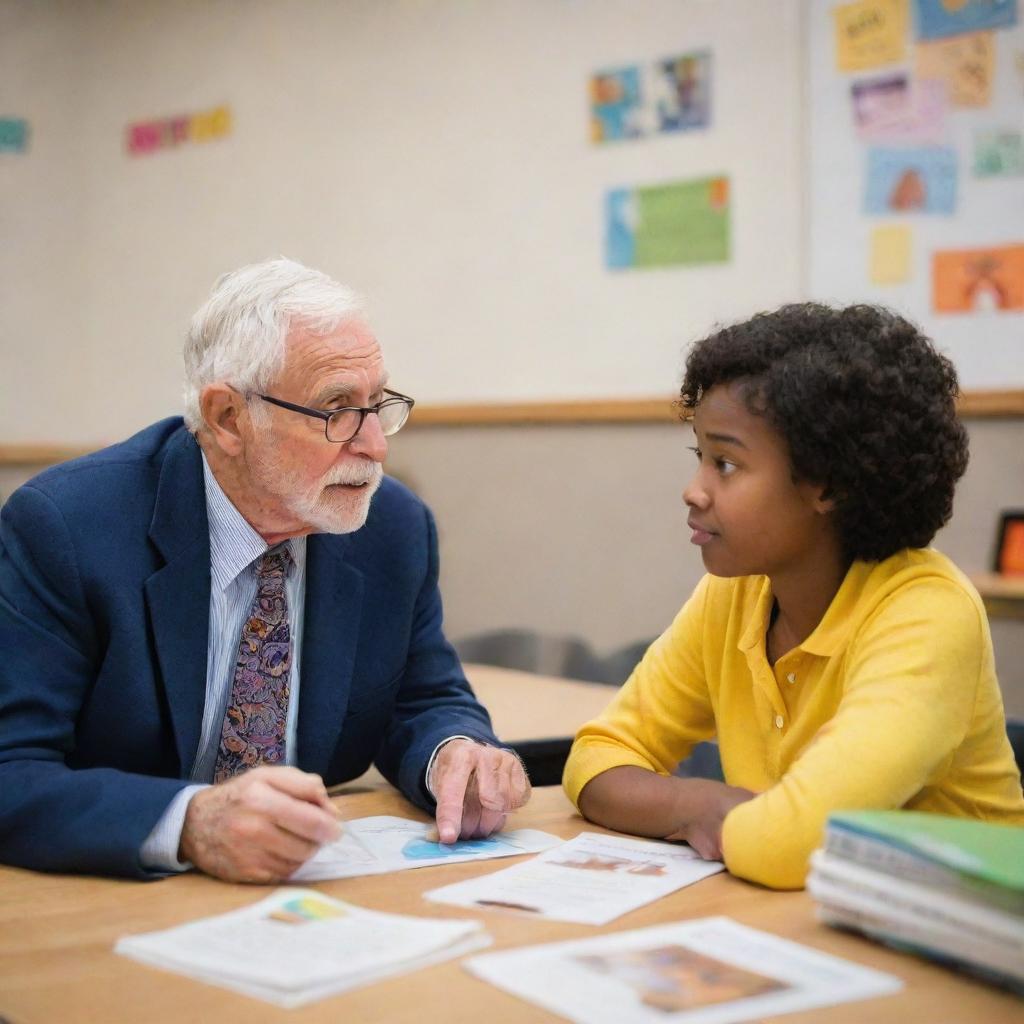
{"x": 259, "y": 826}
{"x": 476, "y": 787}
{"x": 707, "y": 804}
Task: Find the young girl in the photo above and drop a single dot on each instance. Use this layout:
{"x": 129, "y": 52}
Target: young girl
{"x": 840, "y": 662}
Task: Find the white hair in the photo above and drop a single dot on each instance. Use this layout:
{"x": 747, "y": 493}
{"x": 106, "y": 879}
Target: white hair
{"x": 238, "y": 335}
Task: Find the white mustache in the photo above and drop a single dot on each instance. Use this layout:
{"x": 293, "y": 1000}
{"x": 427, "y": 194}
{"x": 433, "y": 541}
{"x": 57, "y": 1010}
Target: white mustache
{"x": 353, "y": 475}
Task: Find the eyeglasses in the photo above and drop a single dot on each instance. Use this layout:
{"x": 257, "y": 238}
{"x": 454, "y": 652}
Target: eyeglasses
{"x": 341, "y": 425}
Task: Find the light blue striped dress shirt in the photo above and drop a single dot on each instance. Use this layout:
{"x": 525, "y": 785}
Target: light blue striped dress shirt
{"x": 234, "y": 548}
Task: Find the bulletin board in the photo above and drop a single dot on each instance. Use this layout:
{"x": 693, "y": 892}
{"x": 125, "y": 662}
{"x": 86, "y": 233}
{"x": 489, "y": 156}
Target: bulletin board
{"x": 916, "y": 171}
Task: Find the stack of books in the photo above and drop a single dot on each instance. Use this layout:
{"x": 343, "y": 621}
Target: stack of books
{"x": 950, "y": 889}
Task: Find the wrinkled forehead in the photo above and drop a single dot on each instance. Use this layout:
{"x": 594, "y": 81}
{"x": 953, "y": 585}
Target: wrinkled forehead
{"x": 346, "y": 358}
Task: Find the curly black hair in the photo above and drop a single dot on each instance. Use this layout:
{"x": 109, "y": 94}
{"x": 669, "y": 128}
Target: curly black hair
{"x": 866, "y": 405}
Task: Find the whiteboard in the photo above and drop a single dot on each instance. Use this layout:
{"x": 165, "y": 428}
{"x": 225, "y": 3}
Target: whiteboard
{"x": 986, "y": 346}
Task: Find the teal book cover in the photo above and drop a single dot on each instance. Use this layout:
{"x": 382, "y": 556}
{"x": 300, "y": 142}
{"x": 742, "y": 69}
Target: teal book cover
{"x": 994, "y": 853}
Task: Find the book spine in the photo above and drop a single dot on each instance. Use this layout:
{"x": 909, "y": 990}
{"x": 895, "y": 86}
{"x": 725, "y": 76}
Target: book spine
{"x": 923, "y": 940}
{"x": 918, "y": 901}
{"x": 879, "y": 854}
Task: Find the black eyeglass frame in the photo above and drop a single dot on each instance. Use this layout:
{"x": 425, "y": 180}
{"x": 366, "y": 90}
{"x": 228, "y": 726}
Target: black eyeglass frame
{"x": 320, "y": 414}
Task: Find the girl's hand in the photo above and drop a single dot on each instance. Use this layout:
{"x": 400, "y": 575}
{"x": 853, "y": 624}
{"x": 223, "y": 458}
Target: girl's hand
{"x": 707, "y": 803}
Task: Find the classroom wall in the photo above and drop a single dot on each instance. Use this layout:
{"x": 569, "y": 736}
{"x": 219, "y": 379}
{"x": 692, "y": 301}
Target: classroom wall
{"x": 433, "y": 154}
{"x": 580, "y": 529}
{"x": 571, "y": 529}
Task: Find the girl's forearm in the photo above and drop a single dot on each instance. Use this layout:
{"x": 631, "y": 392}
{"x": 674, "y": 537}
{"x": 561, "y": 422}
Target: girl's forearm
{"x": 643, "y": 803}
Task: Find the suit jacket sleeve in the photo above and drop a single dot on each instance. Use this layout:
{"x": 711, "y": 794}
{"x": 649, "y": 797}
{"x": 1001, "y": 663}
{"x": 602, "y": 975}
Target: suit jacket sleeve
{"x": 434, "y": 699}
{"x": 52, "y": 815}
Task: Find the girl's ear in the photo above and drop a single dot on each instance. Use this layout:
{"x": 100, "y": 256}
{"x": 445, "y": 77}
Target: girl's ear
{"x": 824, "y": 501}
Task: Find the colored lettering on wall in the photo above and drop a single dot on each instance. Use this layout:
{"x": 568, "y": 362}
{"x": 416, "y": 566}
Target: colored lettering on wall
{"x": 149, "y": 136}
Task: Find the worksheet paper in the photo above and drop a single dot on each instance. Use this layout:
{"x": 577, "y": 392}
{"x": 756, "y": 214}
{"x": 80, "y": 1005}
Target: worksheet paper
{"x": 384, "y": 843}
{"x": 591, "y": 879}
{"x": 299, "y": 945}
{"x": 707, "y": 971}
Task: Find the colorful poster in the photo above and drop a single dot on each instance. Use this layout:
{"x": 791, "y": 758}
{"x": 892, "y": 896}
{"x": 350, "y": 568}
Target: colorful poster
{"x": 911, "y": 180}
{"x": 13, "y": 135}
{"x": 998, "y": 154}
{"x": 681, "y": 92}
{"x": 894, "y": 109}
{"x": 615, "y": 105}
{"x": 680, "y": 223}
{"x": 965, "y": 64}
{"x": 870, "y": 33}
{"x": 148, "y": 136}
{"x": 937, "y": 19}
{"x": 668, "y": 95}
{"x": 978, "y": 280}
{"x": 890, "y": 254}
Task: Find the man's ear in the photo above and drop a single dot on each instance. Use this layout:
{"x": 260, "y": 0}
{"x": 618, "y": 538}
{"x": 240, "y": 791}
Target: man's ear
{"x": 222, "y": 408}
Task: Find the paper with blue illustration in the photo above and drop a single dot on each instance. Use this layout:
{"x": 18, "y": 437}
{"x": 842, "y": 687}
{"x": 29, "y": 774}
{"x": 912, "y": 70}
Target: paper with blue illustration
{"x": 384, "y": 843}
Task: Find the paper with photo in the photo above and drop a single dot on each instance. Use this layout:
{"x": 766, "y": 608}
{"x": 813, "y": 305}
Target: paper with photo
{"x": 298, "y": 945}
{"x": 978, "y": 280}
{"x": 384, "y": 843}
{"x": 964, "y": 64}
{"x": 870, "y": 33}
{"x": 616, "y": 105}
{"x": 591, "y": 879}
{"x": 680, "y": 91}
{"x": 671, "y": 94}
{"x": 705, "y": 971}
{"x": 921, "y": 180}
{"x": 937, "y": 19}
{"x": 895, "y": 109}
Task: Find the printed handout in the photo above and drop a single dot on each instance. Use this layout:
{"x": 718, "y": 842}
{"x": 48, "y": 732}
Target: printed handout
{"x": 299, "y": 945}
{"x": 384, "y": 843}
{"x": 706, "y": 971}
{"x": 591, "y": 879}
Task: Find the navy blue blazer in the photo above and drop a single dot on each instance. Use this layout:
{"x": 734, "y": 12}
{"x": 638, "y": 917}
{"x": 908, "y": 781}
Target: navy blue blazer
{"x": 104, "y": 614}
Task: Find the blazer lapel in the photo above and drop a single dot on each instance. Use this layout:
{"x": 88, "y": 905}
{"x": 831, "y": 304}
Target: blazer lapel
{"x": 178, "y": 595}
{"x": 334, "y": 601}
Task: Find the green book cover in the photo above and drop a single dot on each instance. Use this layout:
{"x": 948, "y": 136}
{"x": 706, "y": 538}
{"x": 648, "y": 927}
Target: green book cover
{"x": 994, "y": 853}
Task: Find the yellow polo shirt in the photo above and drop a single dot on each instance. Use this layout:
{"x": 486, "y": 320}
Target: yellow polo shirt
{"x": 892, "y": 701}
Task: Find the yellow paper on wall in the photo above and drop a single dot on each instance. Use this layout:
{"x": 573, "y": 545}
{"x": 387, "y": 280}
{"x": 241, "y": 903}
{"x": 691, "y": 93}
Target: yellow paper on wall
{"x": 965, "y": 63}
{"x": 870, "y": 33}
{"x": 890, "y": 254}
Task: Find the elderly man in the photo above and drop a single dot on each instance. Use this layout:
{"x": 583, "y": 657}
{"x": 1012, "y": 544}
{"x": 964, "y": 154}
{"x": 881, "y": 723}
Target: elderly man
{"x": 205, "y": 623}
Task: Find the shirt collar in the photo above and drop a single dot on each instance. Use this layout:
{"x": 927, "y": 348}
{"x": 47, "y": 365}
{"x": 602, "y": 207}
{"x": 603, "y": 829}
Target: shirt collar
{"x": 234, "y": 544}
{"x": 832, "y": 632}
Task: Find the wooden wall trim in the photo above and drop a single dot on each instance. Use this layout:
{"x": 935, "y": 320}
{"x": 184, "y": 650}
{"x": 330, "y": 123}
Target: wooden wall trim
{"x": 973, "y": 405}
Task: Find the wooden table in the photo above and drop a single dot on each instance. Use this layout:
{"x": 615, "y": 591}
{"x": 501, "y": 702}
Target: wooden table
{"x": 525, "y": 706}
{"x": 57, "y": 934}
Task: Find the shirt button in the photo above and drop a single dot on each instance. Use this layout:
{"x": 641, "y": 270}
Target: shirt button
{"x": 779, "y": 721}
{"x": 791, "y": 678}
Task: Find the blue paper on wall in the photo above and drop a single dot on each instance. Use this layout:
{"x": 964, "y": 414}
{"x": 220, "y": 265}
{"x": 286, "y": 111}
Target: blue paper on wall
{"x": 937, "y": 19}
{"x": 902, "y": 181}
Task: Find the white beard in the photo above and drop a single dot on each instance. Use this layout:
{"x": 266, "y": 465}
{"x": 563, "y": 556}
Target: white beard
{"x": 323, "y": 507}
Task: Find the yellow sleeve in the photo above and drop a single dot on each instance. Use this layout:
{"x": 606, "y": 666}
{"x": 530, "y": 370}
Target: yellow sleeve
{"x": 909, "y": 691}
{"x": 658, "y": 714}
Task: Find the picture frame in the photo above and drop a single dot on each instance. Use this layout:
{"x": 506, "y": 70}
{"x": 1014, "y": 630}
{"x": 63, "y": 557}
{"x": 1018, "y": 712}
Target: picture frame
{"x": 1009, "y": 553}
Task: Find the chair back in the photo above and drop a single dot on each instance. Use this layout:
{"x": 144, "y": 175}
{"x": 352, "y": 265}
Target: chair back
{"x": 530, "y": 651}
